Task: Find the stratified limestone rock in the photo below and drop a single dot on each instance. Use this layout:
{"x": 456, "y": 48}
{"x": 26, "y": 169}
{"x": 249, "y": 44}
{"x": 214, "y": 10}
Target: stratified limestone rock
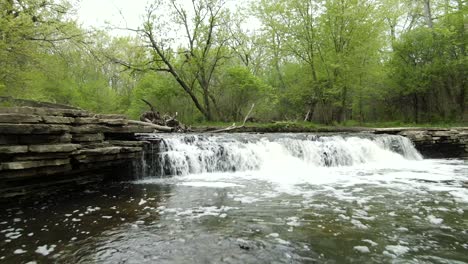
{"x": 45, "y": 148}
{"x": 438, "y": 142}
{"x": 109, "y": 116}
{"x": 114, "y": 122}
{"x": 19, "y": 118}
{"x": 98, "y": 151}
{"x": 124, "y": 149}
{"x": 44, "y": 139}
{"x": 33, "y": 129}
{"x": 34, "y": 172}
{"x": 130, "y": 129}
{"x": 101, "y": 158}
{"x": 22, "y": 165}
{"x": 45, "y": 156}
{"x": 88, "y": 137}
{"x": 89, "y": 129}
{"x": 45, "y": 111}
{"x": 94, "y": 145}
{"x": 86, "y": 120}
{"x": 13, "y": 149}
{"x": 416, "y": 135}
{"x": 127, "y": 143}
{"x": 57, "y": 120}
{"x": 53, "y": 148}
{"x": 102, "y": 164}
{"x": 13, "y": 139}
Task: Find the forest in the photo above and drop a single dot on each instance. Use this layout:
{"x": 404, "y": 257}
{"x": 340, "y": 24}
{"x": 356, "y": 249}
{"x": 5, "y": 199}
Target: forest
{"x": 321, "y": 61}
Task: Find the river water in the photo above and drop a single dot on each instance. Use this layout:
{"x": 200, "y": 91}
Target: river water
{"x": 242, "y": 198}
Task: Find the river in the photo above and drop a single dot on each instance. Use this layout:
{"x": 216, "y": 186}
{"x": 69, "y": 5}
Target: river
{"x": 256, "y": 198}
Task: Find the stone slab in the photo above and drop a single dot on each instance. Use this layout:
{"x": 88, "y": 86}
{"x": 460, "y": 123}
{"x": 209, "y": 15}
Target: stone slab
{"x": 34, "y": 172}
{"x": 57, "y": 120}
{"x": 89, "y": 129}
{"x": 45, "y": 111}
{"x": 88, "y": 137}
{"x": 45, "y": 156}
{"x": 125, "y": 143}
{"x": 19, "y": 118}
{"x": 101, "y": 158}
{"x": 130, "y": 129}
{"x": 131, "y": 149}
{"x": 86, "y": 120}
{"x": 9, "y": 139}
{"x": 22, "y": 165}
{"x": 114, "y": 122}
{"x": 33, "y": 129}
{"x": 94, "y": 145}
{"x": 44, "y": 139}
{"x": 53, "y": 148}
{"x": 110, "y": 116}
{"x": 13, "y": 149}
{"x": 102, "y": 164}
{"x": 98, "y": 151}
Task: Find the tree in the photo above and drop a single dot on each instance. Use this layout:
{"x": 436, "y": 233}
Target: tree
{"x": 28, "y": 29}
{"x": 202, "y": 49}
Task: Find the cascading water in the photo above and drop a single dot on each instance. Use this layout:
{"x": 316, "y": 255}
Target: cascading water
{"x": 193, "y": 154}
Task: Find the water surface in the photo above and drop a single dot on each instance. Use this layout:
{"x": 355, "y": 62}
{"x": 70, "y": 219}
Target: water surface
{"x": 257, "y": 199}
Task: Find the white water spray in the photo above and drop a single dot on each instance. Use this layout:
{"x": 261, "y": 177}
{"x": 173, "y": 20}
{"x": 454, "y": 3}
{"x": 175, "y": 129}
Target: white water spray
{"x": 194, "y": 154}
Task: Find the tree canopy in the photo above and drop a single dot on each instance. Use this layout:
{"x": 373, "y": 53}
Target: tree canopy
{"x": 325, "y": 61}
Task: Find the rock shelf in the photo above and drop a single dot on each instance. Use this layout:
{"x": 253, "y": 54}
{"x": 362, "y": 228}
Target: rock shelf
{"x": 435, "y": 142}
{"x": 45, "y": 149}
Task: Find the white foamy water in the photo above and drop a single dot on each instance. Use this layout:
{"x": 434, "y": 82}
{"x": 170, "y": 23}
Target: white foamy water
{"x": 192, "y": 154}
{"x": 290, "y": 161}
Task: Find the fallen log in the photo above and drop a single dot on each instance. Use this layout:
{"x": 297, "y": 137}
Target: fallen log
{"x": 157, "y": 127}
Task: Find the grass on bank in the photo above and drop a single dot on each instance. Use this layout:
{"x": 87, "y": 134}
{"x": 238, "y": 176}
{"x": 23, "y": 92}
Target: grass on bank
{"x": 311, "y": 125}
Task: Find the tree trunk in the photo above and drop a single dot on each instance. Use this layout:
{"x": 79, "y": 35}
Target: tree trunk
{"x": 206, "y": 100}
{"x": 415, "y": 108}
{"x": 344, "y": 94}
{"x": 428, "y": 14}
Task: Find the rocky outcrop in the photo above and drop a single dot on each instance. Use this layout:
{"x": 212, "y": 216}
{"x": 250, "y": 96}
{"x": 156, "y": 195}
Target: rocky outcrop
{"x": 435, "y": 142}
{"x": 43, "y": 149}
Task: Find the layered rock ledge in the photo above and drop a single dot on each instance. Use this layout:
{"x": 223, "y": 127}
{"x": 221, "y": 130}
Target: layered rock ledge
{"x": 434, "y": 142}
{"x": 44, "y": 149}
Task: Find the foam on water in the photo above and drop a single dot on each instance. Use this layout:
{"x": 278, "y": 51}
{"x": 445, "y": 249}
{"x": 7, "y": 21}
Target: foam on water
{"x": 194, "y": 154}
{"x": 290, "y": 161}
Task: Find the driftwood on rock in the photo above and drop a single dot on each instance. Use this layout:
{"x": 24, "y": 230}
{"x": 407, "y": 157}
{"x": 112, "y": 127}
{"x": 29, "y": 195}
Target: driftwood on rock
{"x": 166, "y": 122}
{"x": 157, "y": 127}
{"x": 233, "y": 126}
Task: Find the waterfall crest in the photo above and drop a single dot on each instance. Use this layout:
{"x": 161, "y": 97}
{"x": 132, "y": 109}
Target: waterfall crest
{"x": 182, "y": 154}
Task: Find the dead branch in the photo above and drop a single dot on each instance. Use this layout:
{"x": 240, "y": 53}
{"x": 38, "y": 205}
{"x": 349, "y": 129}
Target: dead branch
{"x": 248, "y": 114}
{"x": 157, "y": 127}
{"x": 233, "y": 126}
{"x": 150, "y": 105}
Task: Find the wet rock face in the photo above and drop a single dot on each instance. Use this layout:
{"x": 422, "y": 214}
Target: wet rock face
{"x": 436, "y": 142}
{"x": 440, "y": 143}
{"x": 43, "y": 148}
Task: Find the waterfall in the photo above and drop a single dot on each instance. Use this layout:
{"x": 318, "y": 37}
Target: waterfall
{"x": 183, "y": 154}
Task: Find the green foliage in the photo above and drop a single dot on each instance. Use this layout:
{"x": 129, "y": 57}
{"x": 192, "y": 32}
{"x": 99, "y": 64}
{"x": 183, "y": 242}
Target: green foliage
{"x": 344, "y": 62}
{"x": 165, "y": 95}
{"x": 239, "y": 89}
